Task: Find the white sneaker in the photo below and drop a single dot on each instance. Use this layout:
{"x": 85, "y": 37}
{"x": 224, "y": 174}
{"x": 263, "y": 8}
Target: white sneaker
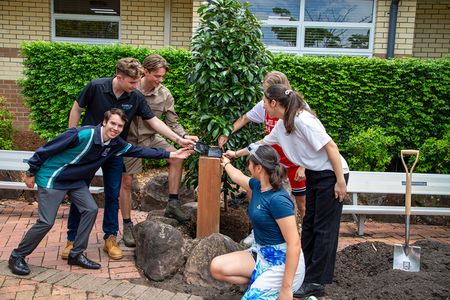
{"x": 248, "y": 241}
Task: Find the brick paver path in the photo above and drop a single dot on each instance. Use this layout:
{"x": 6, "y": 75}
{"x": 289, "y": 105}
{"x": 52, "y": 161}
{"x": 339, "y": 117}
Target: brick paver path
{"x": 52, "y": 278}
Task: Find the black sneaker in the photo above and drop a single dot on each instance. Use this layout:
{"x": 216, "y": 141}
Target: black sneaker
{"x": 310, "y": 289}
{"x": 18, "y": 265}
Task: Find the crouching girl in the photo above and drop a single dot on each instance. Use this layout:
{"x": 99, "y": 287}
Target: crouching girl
{"x": 274, "y": 266}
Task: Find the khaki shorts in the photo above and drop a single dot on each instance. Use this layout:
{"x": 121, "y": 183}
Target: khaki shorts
{"x": 133, "y": 165}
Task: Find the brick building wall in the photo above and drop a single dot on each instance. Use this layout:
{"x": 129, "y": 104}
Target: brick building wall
{"x": 181, "y": 33}
{"x": 404, "y": 32}
{"x": 142, "y": 23}
{"x": 20, "y": 20}
{"x": 195, "y": 17}
{"x": 432, "y": 31}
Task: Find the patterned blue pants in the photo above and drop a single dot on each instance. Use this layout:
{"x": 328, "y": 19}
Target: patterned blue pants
{"x": 268, "y": 274}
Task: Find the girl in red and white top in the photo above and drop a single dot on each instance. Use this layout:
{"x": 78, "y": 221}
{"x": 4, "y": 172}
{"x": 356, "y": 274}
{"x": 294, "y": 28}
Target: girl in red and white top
{"x": 259, "y": 115}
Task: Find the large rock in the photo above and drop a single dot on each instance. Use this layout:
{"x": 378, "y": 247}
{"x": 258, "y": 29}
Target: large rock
{"x": 155, "y": 193}
{"x": 196, "y": 270}
{"x": 159, "y": 249}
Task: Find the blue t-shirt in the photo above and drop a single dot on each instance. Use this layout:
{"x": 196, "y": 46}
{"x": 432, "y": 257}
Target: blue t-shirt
{"x": 263, "y": 211}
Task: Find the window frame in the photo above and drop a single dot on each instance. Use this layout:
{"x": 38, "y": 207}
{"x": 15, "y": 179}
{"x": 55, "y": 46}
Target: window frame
{"x": 81, "y": 17}
{"x": 301, "y": 26}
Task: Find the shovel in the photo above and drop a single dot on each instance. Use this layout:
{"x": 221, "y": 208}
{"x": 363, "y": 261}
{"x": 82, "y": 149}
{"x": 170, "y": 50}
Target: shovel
{"x": 406, "y": 257}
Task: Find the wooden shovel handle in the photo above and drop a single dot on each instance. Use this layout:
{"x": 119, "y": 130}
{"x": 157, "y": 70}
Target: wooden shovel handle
{"x": 409, "y": 177}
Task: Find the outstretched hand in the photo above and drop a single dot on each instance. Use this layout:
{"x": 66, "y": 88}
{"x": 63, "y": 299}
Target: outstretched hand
{"x": 186, "y": 143}
{"x": 182, "y": 153}
{"x": 224, "y": 160}
{"x": 223, "y": 139}
{"x": 193, "y": 138}
{"x": 230, "y": 154}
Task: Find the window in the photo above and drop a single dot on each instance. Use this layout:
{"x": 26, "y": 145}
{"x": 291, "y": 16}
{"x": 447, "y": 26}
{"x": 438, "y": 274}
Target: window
{"x": 88, "y": 21}
{"x": 317, "y": 27}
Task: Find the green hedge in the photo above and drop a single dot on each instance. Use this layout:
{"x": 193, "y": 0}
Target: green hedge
{"x": 57, "y": 72}
{"x": 6, "y": 130}
{"x": 407, "y": 98}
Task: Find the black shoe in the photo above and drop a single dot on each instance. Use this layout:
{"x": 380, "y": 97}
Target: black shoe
{"x": 310, "y": 289}
{"x": 18, "y": 265}
{"x": 83, "y": 261}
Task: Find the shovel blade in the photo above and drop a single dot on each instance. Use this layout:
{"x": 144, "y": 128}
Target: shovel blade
{"x": 406, "y": 258}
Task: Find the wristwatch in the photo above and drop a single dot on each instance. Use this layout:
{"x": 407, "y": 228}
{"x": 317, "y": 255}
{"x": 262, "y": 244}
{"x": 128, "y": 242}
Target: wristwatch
{"x": 29, "y": 174}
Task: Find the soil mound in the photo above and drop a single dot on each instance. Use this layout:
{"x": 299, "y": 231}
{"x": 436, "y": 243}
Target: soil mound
{"x": 364, "y": 271}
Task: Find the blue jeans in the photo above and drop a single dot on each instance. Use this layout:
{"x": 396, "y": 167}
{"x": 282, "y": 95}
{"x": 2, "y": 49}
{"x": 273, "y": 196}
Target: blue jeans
{"x": 112, "y": 176}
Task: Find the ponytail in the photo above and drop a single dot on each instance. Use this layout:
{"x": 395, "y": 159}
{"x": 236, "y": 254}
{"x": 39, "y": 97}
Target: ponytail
{"x": 291, "y": 101}
{"x": 277, "y": 176}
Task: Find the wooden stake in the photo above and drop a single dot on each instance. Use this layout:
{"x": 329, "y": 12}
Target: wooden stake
{"x": 209, "y": 183}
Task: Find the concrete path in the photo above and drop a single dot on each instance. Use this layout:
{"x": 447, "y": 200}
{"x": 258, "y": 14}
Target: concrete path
{"x": 52, "y": 278}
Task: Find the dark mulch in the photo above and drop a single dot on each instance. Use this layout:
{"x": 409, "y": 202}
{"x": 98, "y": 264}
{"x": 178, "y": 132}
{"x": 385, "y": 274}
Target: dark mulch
{"x": 364, "y": 271}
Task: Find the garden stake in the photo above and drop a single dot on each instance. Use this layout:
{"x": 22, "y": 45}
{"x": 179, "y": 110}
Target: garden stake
{"x": 406, "y": 257}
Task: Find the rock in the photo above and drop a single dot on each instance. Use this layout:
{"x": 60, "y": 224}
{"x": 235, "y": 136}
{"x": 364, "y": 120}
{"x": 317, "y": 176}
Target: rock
{"x": 155, "y": 193}
{"x": 196, "y": 270}
{"x": 162, "y": 219}
{"x": 190, "y": 209}
{"x": 159, "y": 249}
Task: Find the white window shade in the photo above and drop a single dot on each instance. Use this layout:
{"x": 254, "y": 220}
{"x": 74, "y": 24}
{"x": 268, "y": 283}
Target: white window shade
{"x": 94, "y": 21}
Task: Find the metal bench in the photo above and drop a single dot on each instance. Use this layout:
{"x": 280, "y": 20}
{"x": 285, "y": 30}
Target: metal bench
{"x": 394, "y": 183}
{"x": 11, "y": 160}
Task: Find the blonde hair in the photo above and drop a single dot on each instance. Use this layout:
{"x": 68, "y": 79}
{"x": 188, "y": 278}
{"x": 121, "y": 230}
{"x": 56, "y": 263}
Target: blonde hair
{"x": 276, "y": 77}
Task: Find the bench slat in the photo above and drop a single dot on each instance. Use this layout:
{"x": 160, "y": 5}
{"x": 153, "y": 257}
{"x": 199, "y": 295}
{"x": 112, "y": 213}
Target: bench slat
{"x": 394, "y": 210}
{"x": 394, "y": 183}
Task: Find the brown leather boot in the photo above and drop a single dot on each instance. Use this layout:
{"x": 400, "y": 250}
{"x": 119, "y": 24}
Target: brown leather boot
{"x": 111, "y": 247}
{"x": 65, "y": 253}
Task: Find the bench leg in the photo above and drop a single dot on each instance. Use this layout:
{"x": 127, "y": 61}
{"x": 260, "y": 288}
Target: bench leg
{"x": 361, "y": 219}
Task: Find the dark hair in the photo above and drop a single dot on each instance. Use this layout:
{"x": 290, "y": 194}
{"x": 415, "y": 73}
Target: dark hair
{"x": 130, "y": 67}
{"x": 115, "y": 111}
{"x": 269, "y": 159}
{"x": 290, "y": 100}
{"x": 154, "y": 62}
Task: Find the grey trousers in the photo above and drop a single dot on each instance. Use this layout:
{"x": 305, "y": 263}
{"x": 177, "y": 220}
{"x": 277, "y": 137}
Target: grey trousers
{"x": 48, "y": 204}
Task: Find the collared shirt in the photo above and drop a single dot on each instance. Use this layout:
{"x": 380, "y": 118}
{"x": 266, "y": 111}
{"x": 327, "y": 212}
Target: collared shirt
{"x": 98, "y": 97}
{"x": 70, "y": 160}
{"x": 162, "y": 103}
